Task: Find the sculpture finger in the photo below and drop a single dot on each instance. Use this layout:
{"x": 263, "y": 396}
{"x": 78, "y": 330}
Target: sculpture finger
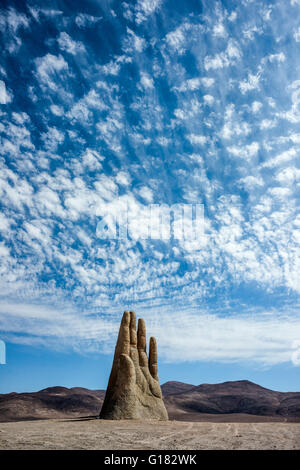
{"x": 133, "y": 337}
{"x": 141, "y": 342}
{"x": 153, "y": 358}
{"x": 123, "y": 342}
{"x": 122, "y": 347}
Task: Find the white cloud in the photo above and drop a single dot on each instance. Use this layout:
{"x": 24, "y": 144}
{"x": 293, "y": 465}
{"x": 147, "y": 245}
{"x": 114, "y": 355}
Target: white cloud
{"x": 176, "y": 39}
{"x": 264, "y": 339}
{"x": 16, "y": 136}
{"x": 207, "y": 81}
{"x": 297, "y": 35}
{"x": 295, "y": 138}
{"x": 233, "y": 16}
{"x": 20, "y": 118}
{"x": 37, "y": 12}
{"x": 280, "y": 57}
{"x": 106, "y": 188}
{"x": 288, "y": 175}
{"x": 163, "y": 141}
{"x": 52, "y": 325}
{"x": 219, "y": 30}
{"x": 140, "y": 138}
{"x": 251, "y": 182}
{"x": 52, "y": 138}
{"x": 250, "y": 31}
{"x": 283, "y": 157}
{"x": 293, "y": 115}
{"x": 296, "y": 353}
{"x": 83, "y": 20}
{"x": 123, "y": 178}
{"x": 279, "y": 192}
{"x": 11, "y": 21}
{"x": 246, "y": 151}
{"x": 91, "y": 159}
{"x": 113, "y": 67}
{"x": 208, "y": 99}
{"x": 251, "y": 83}
{"x": 145, "y": 8}
{"x": 224, "y": 59}
{"x": 50, "y": 69}
{"x": 197, "y": 139}
{"x": 133, "y": 42}
{"x": 4, "y": 251}
{"x": 267, "y": 124}
{"x": 127, "y": 11}
{"x": 57, "y": 110}
{"x": 18, "y": 194}
{"x": 4, "y": 223}
{"x": 191, "y": 84}
{"x": 48, "y": 203}
{"x": 66, "y": 43}
{"x": 146, "y": 81}
{"x": 233, "y": 124}
{"x": 5, "y": 97}
{"x": 233, "y": 51}
{"x": 216, "y": 62}
{"x": 82, "y": 109}
{"x": 195, "y": 83}
{"x": 256, "y": 106}
{"x": 38, "y": 231}
{"x": 146, "y": 193}
{"x": 180, "y": 114}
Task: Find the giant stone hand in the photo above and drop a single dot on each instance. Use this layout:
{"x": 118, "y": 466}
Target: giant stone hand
{"x": 133, "y": 390}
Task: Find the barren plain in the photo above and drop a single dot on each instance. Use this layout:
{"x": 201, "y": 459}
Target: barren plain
{"x": 89, "y": 433}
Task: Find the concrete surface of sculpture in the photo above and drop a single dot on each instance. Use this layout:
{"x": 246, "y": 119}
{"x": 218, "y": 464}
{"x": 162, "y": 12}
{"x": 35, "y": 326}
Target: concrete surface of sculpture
{"x": 133, "y": 390}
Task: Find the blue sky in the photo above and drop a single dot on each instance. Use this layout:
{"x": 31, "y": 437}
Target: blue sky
{"x": 107, "y": 103}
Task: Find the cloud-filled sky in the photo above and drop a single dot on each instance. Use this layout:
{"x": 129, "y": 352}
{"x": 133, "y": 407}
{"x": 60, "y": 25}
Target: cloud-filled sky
{"x": 107, "y": 103}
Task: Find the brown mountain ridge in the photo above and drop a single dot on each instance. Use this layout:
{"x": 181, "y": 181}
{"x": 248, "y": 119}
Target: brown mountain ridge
{"x": 228, "y": 401}
{"x": 236, "y": 397}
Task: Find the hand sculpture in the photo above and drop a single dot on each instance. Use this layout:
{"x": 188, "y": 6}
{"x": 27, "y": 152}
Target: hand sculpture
{"x": 133, "y": 390}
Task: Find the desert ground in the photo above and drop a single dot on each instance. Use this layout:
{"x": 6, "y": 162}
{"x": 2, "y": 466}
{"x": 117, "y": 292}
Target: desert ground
{"x": 87, "y": 433}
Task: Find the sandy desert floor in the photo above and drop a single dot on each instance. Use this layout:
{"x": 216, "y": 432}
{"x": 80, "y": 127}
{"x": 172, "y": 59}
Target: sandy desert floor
{"x": 172, "y": 435}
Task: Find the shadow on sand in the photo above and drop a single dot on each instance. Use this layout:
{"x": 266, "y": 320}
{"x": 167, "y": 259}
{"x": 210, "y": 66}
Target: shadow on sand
{"x": 80, "y": 418}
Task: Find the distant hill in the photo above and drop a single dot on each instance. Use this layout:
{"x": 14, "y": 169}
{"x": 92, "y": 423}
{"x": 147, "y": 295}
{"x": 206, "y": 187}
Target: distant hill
{"x": 173, "y": 388}
{"x": 229, "y": 401}
{"x": 239, "y": 396}
{"x": 52, "y": 402}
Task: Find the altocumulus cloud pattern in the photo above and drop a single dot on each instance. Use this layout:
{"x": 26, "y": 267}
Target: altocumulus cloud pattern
{"x": 151, "y": 102}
